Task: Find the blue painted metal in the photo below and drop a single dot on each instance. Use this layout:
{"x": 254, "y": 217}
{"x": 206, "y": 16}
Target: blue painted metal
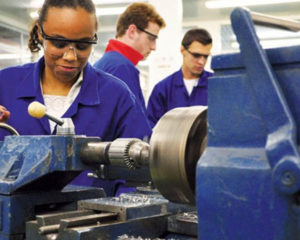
{"x": 33, "y": 173}
{"x": 28, "y": 159}
{"x": 19, "y": 208}
{"x": 248, "y": 178}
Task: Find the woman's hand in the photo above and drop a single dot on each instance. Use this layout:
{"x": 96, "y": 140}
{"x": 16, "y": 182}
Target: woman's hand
{"x": 4, "y": 114}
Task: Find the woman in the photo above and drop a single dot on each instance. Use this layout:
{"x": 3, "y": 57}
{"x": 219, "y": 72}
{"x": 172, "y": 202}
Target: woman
{"x": 99, "y": 104}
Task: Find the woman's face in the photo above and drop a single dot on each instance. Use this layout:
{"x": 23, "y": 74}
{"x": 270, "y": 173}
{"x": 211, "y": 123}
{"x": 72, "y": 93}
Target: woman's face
{"x": 64, "y": 60}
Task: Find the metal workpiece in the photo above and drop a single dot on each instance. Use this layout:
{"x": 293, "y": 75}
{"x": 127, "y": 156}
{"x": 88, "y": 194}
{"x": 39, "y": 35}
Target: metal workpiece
{"x": 184, "y": 223}
{"x": 177, "y": 142}
{"x": 128, "y": 206}
{"x": 95, "y": 152}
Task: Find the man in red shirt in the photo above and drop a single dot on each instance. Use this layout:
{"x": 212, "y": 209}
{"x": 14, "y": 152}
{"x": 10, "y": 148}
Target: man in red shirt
{"x": 136, "y": 34}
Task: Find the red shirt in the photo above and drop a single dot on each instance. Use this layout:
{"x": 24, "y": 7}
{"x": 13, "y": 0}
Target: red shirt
{"x": 127, "y": 51}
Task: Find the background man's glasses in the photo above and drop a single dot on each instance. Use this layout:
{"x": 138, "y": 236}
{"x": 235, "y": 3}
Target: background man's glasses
{"x": 196, "y": 55}
{"x": 58, "y": 45}
{"x": 152, "y": 36}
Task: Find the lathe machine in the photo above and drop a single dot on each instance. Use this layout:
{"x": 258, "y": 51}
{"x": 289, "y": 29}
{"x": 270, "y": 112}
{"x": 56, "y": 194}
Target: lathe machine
{"x": 35, "y": 203}
{"x": 238, "y": 161}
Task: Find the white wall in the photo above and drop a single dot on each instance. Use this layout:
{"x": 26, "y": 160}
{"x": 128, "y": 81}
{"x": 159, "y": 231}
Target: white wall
{"x": 167, "y": 58}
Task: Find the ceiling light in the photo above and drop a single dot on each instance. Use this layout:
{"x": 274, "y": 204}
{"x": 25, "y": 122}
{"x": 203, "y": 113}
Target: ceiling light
{"x": 34, "y": 15}
{"x": 110, "y": 11}
{"x": 234, "y": 3}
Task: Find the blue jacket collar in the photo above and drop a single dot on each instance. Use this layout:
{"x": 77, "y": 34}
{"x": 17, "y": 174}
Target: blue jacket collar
{"x": 178, "y": 77}
{"x": 31, "y": 88}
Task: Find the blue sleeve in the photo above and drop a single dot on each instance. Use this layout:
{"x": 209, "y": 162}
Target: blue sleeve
{"x": 156, "y": 106}
{"x": 128, "y": 75}
{"x": 119, "y": 66}
{"x": 131, "y": 121}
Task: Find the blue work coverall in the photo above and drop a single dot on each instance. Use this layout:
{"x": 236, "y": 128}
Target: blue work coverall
{"x": 171, "y": 93}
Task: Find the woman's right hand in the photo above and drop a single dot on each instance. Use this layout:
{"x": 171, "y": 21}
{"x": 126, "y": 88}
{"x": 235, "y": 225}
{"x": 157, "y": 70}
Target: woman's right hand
{"x": 4, "y": 114}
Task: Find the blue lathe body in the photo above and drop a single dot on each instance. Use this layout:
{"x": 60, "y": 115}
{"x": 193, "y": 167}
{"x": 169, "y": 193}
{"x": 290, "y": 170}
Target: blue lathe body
{"x": 237, "y": 160}
{"x": 34, "y": 170}
{"x": 248, "y": 179}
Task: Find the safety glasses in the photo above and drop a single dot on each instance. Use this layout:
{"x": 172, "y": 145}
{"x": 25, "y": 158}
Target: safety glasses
{"x": 152, "y": 37}
{"x": 57, "y": 46}
{"x": 196, "y": 55}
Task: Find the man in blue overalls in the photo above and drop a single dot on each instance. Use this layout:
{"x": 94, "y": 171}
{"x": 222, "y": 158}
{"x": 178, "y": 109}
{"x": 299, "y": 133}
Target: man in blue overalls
{"x": 188, "y": 86}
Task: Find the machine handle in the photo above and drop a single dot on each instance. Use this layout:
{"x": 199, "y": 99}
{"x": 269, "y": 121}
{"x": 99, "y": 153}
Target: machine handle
{"x": 9, "y": 128}
{"x": 267, "y": 20}
{"x": 281, "y": 144}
